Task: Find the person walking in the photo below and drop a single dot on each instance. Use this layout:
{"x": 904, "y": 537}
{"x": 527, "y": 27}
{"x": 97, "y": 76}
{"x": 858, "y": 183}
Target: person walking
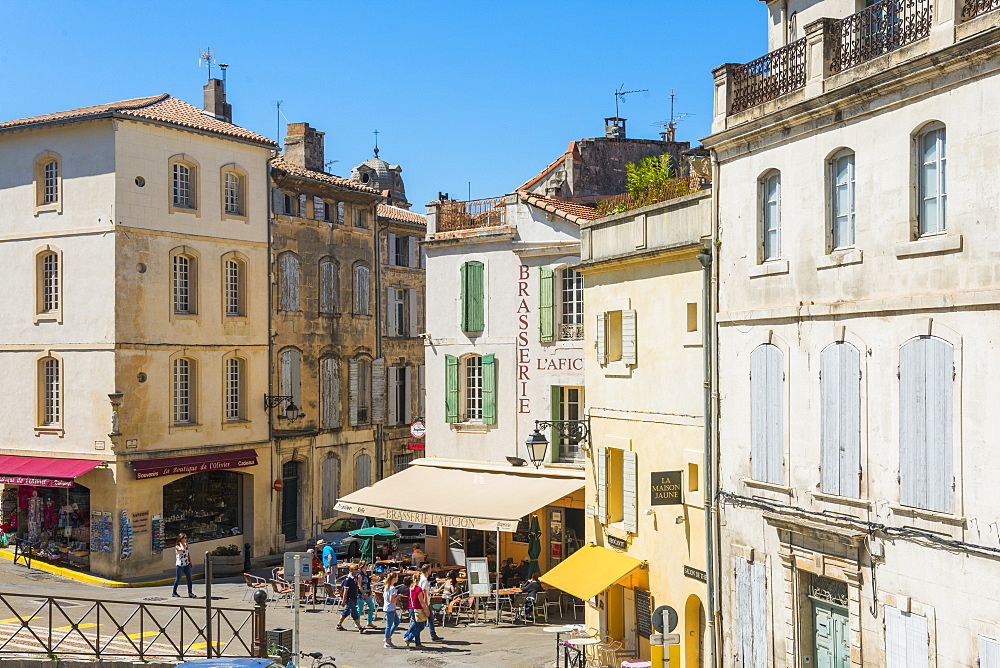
{"x": 329, "y": 560}
{"x": 389, "y": 608}
{"x": 349, "y": 595}
{"x": 365, "y": 599}
{"x": 419, "y": 612}
{"x": 182, "y": 564}
{"x": 425, "y": 585}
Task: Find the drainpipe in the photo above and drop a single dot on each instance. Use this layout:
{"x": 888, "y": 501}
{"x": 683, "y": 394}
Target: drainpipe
{"x": 275, "y": 458}
{"x": 379, "y": 428}
{"x": 705, "y": 257}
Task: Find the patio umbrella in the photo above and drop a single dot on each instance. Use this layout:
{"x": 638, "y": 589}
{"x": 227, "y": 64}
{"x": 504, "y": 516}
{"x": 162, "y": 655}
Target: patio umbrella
{"x": 534, "y": 546}
{"x": 369, "y": 534}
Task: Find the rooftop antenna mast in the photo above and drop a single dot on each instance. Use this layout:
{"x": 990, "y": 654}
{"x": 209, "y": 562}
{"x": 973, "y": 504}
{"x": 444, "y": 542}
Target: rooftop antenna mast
{"x": 208, "y": 56}
{"x": 620, "y": 94}
{"x": 671, "y": 125}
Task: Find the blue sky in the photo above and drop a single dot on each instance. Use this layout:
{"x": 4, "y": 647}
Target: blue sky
{"x": 487, "y": 92}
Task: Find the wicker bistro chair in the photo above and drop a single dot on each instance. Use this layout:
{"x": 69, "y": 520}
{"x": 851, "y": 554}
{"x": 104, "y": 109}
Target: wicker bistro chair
{"x": 282, "y": 590}
{"x": 254, "y": 583}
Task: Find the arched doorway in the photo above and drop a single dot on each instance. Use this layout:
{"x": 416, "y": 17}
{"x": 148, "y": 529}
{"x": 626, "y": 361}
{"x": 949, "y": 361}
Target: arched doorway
{"x": 694, "y": 629}
{"x": 290, "y": 500}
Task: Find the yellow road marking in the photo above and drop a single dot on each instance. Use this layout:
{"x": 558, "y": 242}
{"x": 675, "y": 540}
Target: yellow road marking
{"x": 135, "y": 636}
{"x": 203, "y": 645}
{"x": 17, "y": 620}
{"x": 70, "y": 628}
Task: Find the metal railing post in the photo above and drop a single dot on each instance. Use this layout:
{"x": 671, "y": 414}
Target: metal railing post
{"x": 208, "y": 606}
{"x": 259, "y": 614}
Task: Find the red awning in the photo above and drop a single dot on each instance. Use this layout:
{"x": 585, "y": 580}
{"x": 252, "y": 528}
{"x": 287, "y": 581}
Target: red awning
{"x": 219, "y": 461}
{"x": 43, "y": 471}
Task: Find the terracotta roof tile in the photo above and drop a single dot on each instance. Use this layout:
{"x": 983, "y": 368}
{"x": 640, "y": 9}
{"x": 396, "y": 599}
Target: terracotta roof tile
{"x": 545, "y": 172}
{"x": 571, "y": 211}
{"x": 402, "y": 215}
{"x": 162, "y": 108}
{"x": 339, "y": 181}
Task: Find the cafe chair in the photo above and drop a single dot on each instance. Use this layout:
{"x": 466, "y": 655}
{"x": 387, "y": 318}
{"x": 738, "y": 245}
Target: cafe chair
{"x": 254, "y": 583}
{"x": 575, "y": 604}
{"x": 330, "y": 596}
{"x": 457, "y": 607}
{"x": 282, "y": 590}
{"x": 545, "y": 600}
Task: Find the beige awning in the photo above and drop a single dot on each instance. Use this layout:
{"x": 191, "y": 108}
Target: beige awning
{"x": 467, "y": 495}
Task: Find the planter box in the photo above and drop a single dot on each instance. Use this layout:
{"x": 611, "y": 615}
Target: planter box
{"x": 226, "y": 566}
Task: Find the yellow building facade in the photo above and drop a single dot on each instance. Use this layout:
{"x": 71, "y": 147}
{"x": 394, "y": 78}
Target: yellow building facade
{"x": 643, "y": 285}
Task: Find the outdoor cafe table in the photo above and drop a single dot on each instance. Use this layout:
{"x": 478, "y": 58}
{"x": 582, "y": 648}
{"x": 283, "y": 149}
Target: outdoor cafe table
{"x": 559, "y": 630}
{"x": 581, "y": 644}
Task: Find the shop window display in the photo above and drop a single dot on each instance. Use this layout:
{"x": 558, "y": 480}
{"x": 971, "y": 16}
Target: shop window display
{"x": 205, "y": 506}
{"x": 55, "y": 520}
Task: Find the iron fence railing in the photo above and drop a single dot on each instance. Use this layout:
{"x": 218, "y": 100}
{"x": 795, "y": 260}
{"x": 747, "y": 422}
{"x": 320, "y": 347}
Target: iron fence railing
{"x": 770, "y": 76}
{"x": 974, "y": 8}
{"x": 69, "y": 626}
{"x": 885, "y": 26}
{"x": 471, "y": 215}
{"x": 571, "y": 332}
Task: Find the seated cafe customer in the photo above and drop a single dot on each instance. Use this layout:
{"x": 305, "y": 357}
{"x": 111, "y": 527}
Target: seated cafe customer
{"x": 532, "y": 588}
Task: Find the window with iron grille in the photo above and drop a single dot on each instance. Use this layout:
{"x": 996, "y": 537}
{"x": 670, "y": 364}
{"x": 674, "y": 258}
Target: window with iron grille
{"x": 51, "y": 392}
{"x": 182, "y": 284}
{"x": 233, "y": 194}
{"x": 401, "y": 462}
{"x": 234, "y": 287}
{"x": 182, "y": 185}
{"x": 183, "y": 379}
{"x": 50, "y": 182}
{"x": 234, "y": 389}
{"x": 932, "y": 190}
{"x": 571, "y": 305}
{"x": 474, "y": 388}
{"x": 50, "y": 282}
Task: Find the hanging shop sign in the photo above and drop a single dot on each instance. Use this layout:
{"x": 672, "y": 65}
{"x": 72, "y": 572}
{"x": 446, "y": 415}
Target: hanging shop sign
{"x": 617, "y": 543}
{"x": 695, "y": 574}
{"x": 416, "y": 445}
{"x": 418, "y": 429}
{"x": 665, "y": 488}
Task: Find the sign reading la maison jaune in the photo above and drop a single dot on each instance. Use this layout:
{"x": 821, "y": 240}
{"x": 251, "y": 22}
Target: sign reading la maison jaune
{"x": 665, "y": 488}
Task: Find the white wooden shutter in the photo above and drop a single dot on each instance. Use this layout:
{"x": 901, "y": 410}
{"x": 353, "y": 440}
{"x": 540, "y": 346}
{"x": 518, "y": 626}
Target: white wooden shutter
{"x": 411, "y": 252}
{"x": 840, "y": 398}
{"x": 390, "y": 249}
{"x": 303, "y": 210}
{"x": 751, "y": 614}
{"x": 289, "y": 282}
{"x": 330, "y": 380}
{"x": 758, "y": 596}
{"x": 352, "y": 392}
{"x": 906, "y": 639}
{"x": 331, "y": 486}
{"x": 407, "y": 385}
{"x": 940, "y": 371}
{"x": 767, "y": 449}
{"x": 602, "y": 485}
{"x": 296, "y": 377}
{"x": 277, "y": 201}
{"x": 285, "y": 362}
{"x": 630, "y": 494}
{"x": 411, "y": 312}
{"x": 630, "y": 351}
{"x": 318, "y": 208}
{"x": 602, "y": 333}
{"x": 390, "y": 376}
{"x": 378, "y": 391}
{"x": 390, "y": 311}
{"x": 989, "y": 653}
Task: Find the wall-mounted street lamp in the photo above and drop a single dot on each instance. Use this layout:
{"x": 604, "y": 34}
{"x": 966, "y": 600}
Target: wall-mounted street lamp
{"x": 537, "y": 444}
{"x": 291, "y": 411}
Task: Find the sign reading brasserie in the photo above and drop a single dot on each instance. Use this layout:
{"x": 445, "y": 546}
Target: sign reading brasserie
{"x": 665, "y": 488}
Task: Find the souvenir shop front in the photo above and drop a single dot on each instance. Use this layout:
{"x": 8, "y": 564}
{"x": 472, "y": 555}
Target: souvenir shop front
{"x": 45, "y": 502}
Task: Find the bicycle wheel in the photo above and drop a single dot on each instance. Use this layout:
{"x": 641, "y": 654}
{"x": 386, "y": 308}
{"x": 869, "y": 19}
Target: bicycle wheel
{"x": 326, "y": 663}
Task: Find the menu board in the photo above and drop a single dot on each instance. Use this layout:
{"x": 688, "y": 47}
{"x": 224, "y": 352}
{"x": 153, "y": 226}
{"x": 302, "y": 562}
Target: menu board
{"x": 478, "y": 570}
{"x": 520, "y": 535}
{"x": 101, "y": 532}
{"x": 643, "y": 613}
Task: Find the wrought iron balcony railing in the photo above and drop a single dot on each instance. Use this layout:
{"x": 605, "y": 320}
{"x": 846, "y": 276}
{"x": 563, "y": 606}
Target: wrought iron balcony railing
{"x": 974, "y": 8}
{"x": 471, "y": 215}
{"x": 572, "y": 332}
{"x": 770, "y": 76}
{"x": 885, "y": 26}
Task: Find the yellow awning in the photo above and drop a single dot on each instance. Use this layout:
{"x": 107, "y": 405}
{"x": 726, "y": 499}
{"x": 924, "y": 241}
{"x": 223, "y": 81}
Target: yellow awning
{"x": 590, "y": 570}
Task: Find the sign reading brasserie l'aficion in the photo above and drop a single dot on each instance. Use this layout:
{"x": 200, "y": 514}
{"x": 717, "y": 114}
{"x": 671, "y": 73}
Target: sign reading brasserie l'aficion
{"x": 665, "y": 488}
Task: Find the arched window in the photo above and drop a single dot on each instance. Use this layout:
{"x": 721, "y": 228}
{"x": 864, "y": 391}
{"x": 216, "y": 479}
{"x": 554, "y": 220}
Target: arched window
{"x": 329, "y": 287}
{"x": 767, "y": 396}
{"x": 770, "y": 197}
{"x": 288, "y": 281}
{"x": 362, "y": 290}
{"x": 184, "y": 390}
{"x": 50, "y": 399}
{"x": 183, "y": 188}
{"x": 840, "y": 417}
{"x": 184, "y": 274}
{"x": 329, "y": 372}
{"x": 49, "y": 283}
{"x": 235, "y": 391}
{"x": 362, "y": 471}
{"x": 234, "y": 287}
{"x": 48, "y": 182}
{"x": 233, "y": 193}
{"x": 932, "y": 191}
{"x": 290, "y": 364}
{"x": 842, "y": 200}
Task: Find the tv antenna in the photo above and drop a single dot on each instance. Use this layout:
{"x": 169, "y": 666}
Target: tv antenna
{"x": 208, "y": 56}
{"x": 620, "y": 95}
{"x": 671, "y": 125}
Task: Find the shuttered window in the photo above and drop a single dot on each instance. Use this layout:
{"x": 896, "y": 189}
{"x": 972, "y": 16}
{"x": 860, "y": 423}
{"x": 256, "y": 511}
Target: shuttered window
{"x": 331, "y": 486}
{"x": 926, "y": 372}
{"x": 630, "y": 495}
{"x": 602, "y": 339}
{"x": 362, "y": 290}
{"x": 473, "y": 378}
{"x": 771, "y": 217}
{"x": 411, "y": 314}
{"x": 396, "y": 312}
{"x": 630, "y": 350}
{"x": 989, "y": 653}
{"x": 840, "y": 407}
{"x": 751, "y": 614}
{"x": 842, "y": 200}
{"x": 378, "y": 391}
{"x": 290, "y": 363}
{"x": 398, "y": 407}
{"x": 473, "y": 315}
{"x": 767, "y": 443}
{"x": 489, "y": 389}
{"x": 330, "y": 393}
{"x": 288, "y": 282}
{"x": 602, "y": 485}
{"x": 906, "y": 639}
{"x": 329, "y": 287}
{"x": 451, "y": 388}
{"x": 352, "y": 392}
{"x": 931, "y": 184}
{"x": 546, "y": 316}
{"x": 362, "y": 471}
{"x": 359, "y": 377}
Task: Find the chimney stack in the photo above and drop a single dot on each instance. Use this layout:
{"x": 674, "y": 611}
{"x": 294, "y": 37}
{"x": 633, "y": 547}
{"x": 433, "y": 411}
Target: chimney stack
{"x": 215, "y": 101}
{"x": 614, "y": 128}
{"x": 304, "y": 147}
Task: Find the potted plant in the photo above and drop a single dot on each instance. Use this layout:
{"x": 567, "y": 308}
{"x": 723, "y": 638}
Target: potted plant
{"x": 226, "y": 560}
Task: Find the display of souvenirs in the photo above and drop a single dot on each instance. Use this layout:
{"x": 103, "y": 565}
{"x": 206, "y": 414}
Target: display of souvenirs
{"x": 126, "y": 534}
{"x": 101, "y": 533}
{"x": 159, "y": 537}
{"x": 36, "y": 508}
{"x": 205, "y": 506}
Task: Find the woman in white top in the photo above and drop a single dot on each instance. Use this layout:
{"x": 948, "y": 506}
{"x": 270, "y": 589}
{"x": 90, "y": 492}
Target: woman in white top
{"x": 182, "y": 562}
{"x": 389, "y": 608}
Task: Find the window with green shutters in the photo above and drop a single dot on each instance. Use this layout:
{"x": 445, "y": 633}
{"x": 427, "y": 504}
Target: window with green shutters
{"x": 489, "y": 389}
{"x": 470, "y": 389}
{"x": 473, "y": 316}
{"x": 451, "y": 388}
{"x": 546, "y": 317}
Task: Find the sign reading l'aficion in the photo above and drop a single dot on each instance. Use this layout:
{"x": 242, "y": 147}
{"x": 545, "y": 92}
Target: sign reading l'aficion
{"x": 665, "y": 488}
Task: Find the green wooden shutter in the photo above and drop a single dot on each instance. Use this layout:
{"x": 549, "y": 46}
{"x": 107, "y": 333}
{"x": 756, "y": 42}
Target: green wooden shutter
{"x": 451, "y": 388}
{"x": 472, "y": 297}
{"x": 555, "y": 437}
{"x": 489, "y": 389}
{"x": 546, "y": 317}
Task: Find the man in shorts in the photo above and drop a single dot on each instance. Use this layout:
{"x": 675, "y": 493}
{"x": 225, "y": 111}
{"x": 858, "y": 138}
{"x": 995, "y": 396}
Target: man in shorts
{"x": 349, "y": 594}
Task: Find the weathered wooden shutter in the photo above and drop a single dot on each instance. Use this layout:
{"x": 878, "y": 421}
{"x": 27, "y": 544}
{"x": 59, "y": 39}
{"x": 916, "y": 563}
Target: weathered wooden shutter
{"x": 546, "y": 316}
{"x": 362, "y": 471}
{"x": 328, "y": 296}
{"x": 630, "y": 492}
{"x": 926, "y": 367}
{"x": 390, "y": 311}
{"x": 411, "y": 312}
{"x": 751, "y": 614}
{"x": 489, "y": 389}
{"x": 555, "y": 411}
{"x": 767, "y": 452}
{"x": 277, "y": 201}
{"x": 630, "y": 351}
{"x": 378, "y": 391}
{"x": 451, "y": 388}
{"x": 840, "y": 417}
{"x": 390, "y": 249}
{"x": 352, "y": 392}
{"x": 303, "y": 209}
{"x": 330, "y": 381}
{"x": 288, "y": 282}
{"x": 602, "y": 485}
{"x": 411, "y": 252}
{"x": 390, "y": 377}
{"x": 406, "y": 385}
{"x": 602, "y": 338}
{"x": 340, "y": 212}
{"x": 318, "y": 208}
{"x": 906, "y": 639}
{"x": 285, "y": 364}
{"x": 331, "y": 486}
{"x": 989, "y": 653}
{"x": 472, "y": 297}
{"x": 758, "y": 597}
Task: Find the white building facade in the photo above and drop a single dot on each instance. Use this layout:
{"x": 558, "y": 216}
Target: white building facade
{"x": 858, "y": 522}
